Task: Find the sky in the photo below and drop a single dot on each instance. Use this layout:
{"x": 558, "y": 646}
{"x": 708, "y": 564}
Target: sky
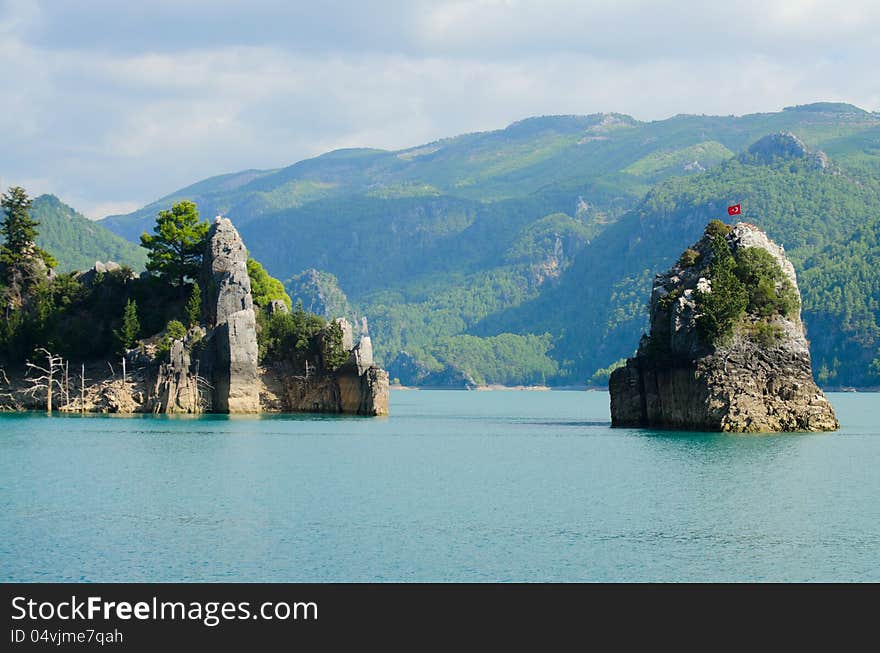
{"x": 111, "y": 105}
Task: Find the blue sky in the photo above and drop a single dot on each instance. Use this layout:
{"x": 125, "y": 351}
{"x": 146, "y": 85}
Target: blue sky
{"x": 111, "y": 104}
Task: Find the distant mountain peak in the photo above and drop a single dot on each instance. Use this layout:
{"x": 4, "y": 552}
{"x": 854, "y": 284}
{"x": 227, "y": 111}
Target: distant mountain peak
{"x": 827, "y": 107}
{"x": 569, "y": 123}
{"x": 782, "y": 145}
{"x": 48, "y": 198}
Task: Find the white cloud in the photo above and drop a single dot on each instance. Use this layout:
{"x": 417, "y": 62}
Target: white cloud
{"x": 107, "y": 117}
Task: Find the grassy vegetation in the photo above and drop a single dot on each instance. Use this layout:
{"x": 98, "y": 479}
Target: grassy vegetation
{"x": 706, "y": 155}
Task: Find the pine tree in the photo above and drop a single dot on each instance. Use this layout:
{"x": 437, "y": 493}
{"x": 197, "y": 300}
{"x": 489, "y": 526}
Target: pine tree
{"x": 18, "y": 229}
{"x": 131, "y": 326}
{"x": 727, "y": 301}
{"x": 332, "y": 351}
{"x": 194, "y": 306}
{"x": 174, "y": 253}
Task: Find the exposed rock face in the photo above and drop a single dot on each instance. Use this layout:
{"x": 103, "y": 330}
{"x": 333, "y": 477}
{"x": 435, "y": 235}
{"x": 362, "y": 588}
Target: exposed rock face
{"x": 343, "y": 391}
{"x": 176, "y": 389}
{"x": 785, "y": 145}
{"x": 747, "y": 384}
{"x": 782, "y": 145}
{"x": 364, "y": 393}
{"x": 232, "y": 365}
{"x": 362, "y": 355}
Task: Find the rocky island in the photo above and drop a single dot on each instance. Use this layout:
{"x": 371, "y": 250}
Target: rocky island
{"x": 726, "y": 349}
{"x": 204, "y": 329}
{"x": 228, "y": 359}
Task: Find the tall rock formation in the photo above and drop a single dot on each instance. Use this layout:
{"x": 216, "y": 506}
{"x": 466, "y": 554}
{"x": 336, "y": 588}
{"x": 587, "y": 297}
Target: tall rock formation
{"x": 232, "y": 363}
{"x": 226, "y": 377}
{"x": 727, "y": 349}
{"x": 229, "y": 359}
{"x": 176, "y": 389}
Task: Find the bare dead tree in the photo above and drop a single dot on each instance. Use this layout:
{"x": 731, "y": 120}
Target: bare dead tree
{"x": 8, "y": 396}
{"x": 82, "y": 389}
{"x": 66, "y": 385}
{"x": 202, "y": 386}
{"x": 203, "y": 389}
{"x": 48, "y": 378}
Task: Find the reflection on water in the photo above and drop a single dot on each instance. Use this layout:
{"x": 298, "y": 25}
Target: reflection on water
{"x": 454, "y": 486}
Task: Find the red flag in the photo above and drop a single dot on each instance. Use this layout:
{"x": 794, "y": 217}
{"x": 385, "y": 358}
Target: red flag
{"x": 736, "y": 209}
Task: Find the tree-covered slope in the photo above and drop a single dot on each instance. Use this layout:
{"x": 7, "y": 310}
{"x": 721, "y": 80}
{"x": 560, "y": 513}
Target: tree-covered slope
{"x": 826, "y": 218}
{"x": 77, "y": 242}
{"x": 516, "y": 230}
{"x": 609, "y": 160}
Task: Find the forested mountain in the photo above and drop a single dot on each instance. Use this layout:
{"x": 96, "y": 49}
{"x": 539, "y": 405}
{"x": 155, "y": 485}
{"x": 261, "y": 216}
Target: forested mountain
{"x": 610, "y": 160}
{"x": 826, "y": 217}
{"x": 77, "y": 242}
{"x": 537, "y": 243}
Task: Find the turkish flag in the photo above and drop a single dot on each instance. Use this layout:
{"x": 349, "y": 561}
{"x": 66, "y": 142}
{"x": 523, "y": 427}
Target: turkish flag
{"x": 736, "y": 209}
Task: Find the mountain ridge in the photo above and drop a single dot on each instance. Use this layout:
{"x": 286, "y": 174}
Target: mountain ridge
{"x": 421, "y": 240}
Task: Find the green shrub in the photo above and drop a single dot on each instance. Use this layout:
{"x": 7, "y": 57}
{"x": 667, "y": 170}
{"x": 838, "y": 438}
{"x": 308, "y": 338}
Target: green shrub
{"x": 333, "y": 353}
{"x": 764, "y": 333}
{"x": 721, "y": 308}
{"x": 265, "y": 288}
{"x": 667, "y": 300}
{"x": 770, "y": 291}
{"x": 173, "y": 331}
{"x": 193, "y": 308}
{"x": 600, "y": 377}
{"x": 688, "y": 258}
{"x": 287, "y": 336}
{"x": 717, "y": 228}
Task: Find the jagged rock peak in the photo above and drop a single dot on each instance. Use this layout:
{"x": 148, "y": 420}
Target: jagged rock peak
{"x": 785, "y": 145}
{"x": 727, "y": 349}
{"x": 226, "y": 271}
{"x": 230, "y": 308}
{"x": 176, "y": 389}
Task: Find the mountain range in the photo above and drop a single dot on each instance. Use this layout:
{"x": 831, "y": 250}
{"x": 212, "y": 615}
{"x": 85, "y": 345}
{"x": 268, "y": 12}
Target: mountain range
{"x": 525, "y": 255}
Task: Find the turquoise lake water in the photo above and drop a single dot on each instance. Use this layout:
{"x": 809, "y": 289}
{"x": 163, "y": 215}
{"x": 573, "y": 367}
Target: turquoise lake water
{"x": 455, "y": 486}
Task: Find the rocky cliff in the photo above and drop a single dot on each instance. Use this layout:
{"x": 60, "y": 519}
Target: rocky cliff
{"x": 727, "y": 349}
{"x": 231, "y": 361}
{"x": 357, "y": 386}
{"x": 230, "y": 355}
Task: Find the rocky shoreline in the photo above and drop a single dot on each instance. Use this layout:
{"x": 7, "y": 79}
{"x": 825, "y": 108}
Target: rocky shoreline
{"x": 214, "y": 367}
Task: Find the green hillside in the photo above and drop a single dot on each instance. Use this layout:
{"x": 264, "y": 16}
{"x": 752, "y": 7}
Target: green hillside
{"x": 77, "y": 242}
{"x": 553, "y": 225}
{"x": 826, "y": 218}
{"x": 608, "y": 159}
